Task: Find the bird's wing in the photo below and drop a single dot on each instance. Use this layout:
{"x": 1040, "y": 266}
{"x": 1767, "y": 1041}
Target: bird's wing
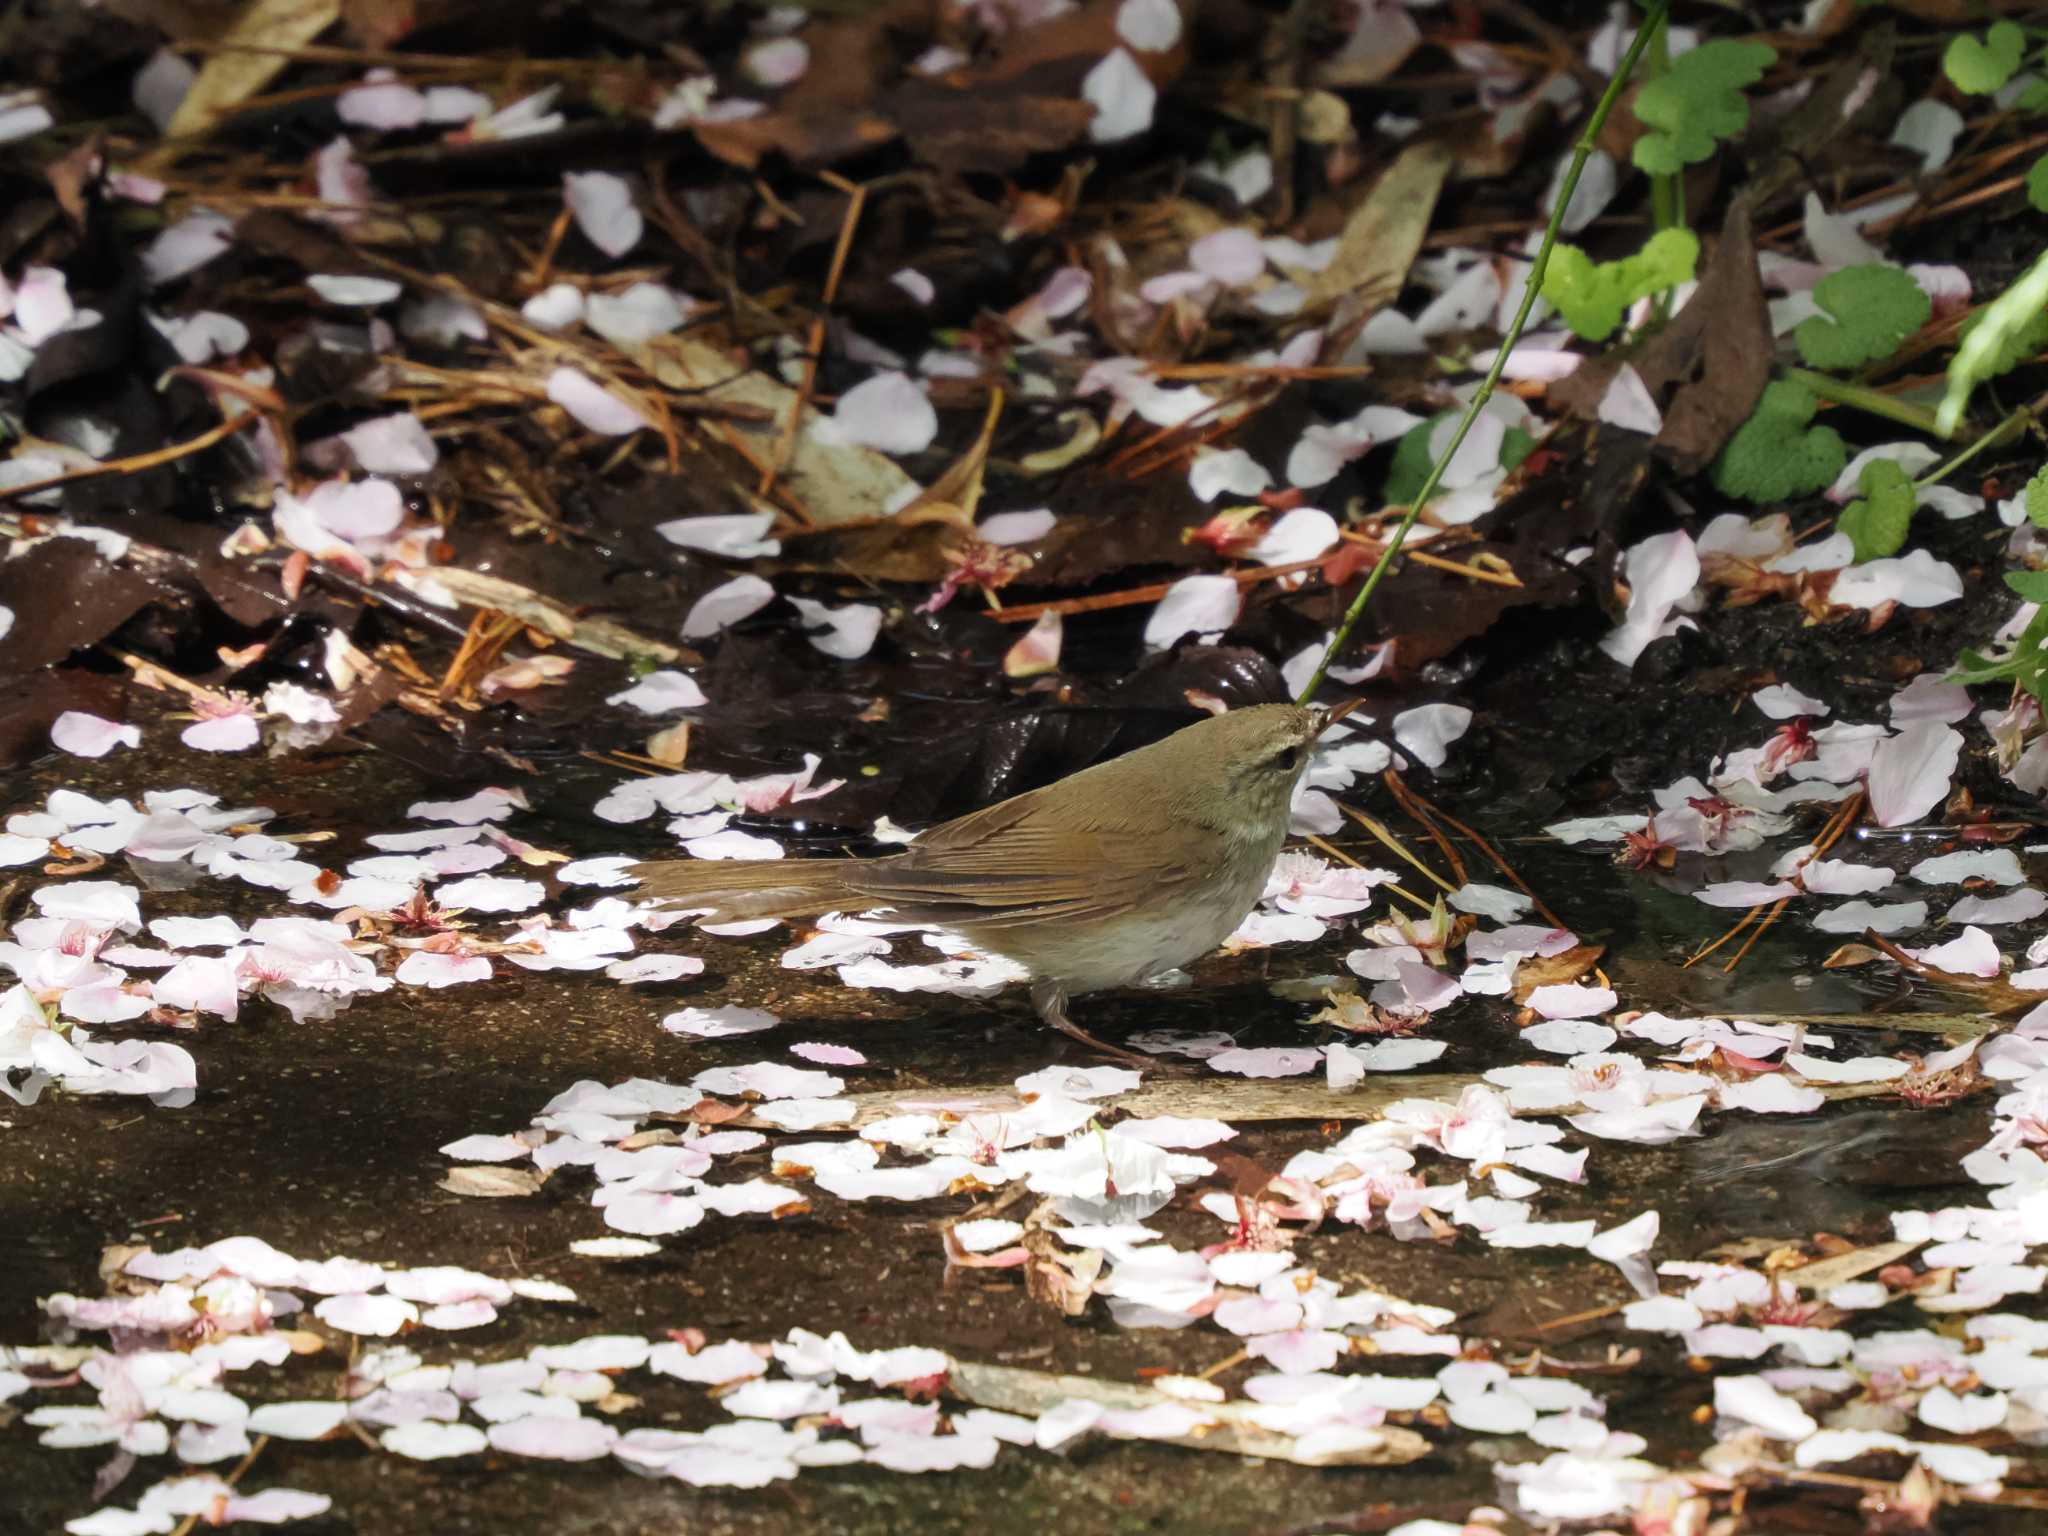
{"x": 1011, "y": 863}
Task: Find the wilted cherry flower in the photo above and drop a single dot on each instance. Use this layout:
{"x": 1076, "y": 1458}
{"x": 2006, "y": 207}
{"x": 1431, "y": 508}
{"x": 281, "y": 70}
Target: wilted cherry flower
{"x": 1791, "y": 743}
{"x": 979, "y": 564}
{"x": 1231, "y": 532}
{"x": 1640, "y": 850}
{"x": 420, "y": 914}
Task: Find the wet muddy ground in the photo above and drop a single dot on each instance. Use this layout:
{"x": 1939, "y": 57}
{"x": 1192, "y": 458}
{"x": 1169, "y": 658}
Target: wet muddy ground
{"x": 322, "y": 1139}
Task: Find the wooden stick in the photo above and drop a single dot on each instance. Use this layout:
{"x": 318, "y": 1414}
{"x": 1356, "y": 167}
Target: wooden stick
{"x": 1498, "y": 862}
{"x": 1839, "y": 823}
{"x": 1410, "y": 803}
{"x": 1379, "y": 830}
{"x": 136, "y": 462}
{"x": 1030, "y": 612}
{"x": 856, "y": 201}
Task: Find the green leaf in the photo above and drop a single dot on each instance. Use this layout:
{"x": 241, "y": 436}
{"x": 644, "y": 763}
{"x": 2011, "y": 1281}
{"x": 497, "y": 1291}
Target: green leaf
{"x": 2030, "y": 652}
{"x": 1412, "y": 461}
{"x": 1876, "y": 522}
{"x": 1999, "y": 337}
{"x": 1516, "y": 444}
{"x": 1698, "y": 102}
{"x": 2019, "y": 344}
{"x": 1975, "y": 667}
{"x": 1592, "y": 296}
{"x": 1870, "y": 310}
{"x": 2037, "y": 498}
{"x": 1977, "y": 68}
{"x": 2031, "y": 585}
{"x": 2026, "y": 665}
{"x": 2037, "y": 184}
{"x": 1775, "y": 455}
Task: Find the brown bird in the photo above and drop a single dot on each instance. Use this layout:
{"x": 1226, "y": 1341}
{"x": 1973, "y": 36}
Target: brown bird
{"x": 1104, "y": 879}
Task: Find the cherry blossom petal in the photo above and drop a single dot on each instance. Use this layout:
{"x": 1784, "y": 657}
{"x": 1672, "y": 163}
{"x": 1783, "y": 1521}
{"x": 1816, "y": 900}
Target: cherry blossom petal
{"x": 1232, "y": 257}
{"x": 1122, "y": 95}
{"x": 492, "y": 893}
{"x": 349, "y": 290}
{"x": 554, "y": 1439}
{"x": 381, "y": 101}
{"x": 1745, "y": 893}
{"x": 225, "y": 733}
{"x": 1915, "y": 579}
{"x": 376, "y": 1316}
{"x": 423, "y": 968}
{"x": 661, "y": 693}
{"x": 1150, "y": 26}
{"x": 724, "y": 606}
{"x": 1885, "y": 917}
{"x": 42, "y": 304}
{"x": 1627, "y": 404}
{"x": 1428, "y": 731}
{"x": 185, "y": 247}
{"x": 1930, "y": 697}
{"x": 844, "y": 633}
{"x": 1302, "y": 534}
{"x": 828, "y": 1055}
{"x": 1571, "y": 1001}
{"x": 780, "y": 61}
{"x": 1771, "y": 1094}
{"x": 392, "y": 445}
{"x": 602, "y": 205}
{"x": 1753, "y": 1400}
{"x": 1910, "y": 772}
{"x": 1840, "y": 877}
{"x": 1660, "y": 572}
{"x": 88, "y": 735}
{"x": 1971, "y": 953}
{"x": 734, "y": 535}
{"x": 1007, "y": 528}
{"x": 1268, "y": 1061}
{"x": 425, "y": 1440}
{"x": 1196, "y": 605}
{"x": 890, "y": 413}
{"x": 639, "y": 314}
{"x": 593, "y": 406}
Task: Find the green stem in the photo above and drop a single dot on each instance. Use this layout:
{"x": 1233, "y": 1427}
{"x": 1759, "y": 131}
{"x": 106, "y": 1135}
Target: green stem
{"x": 1665, "y": 191}
{"x": 1652, "y": 23}
{"x": 1862, "y": 397}
{"x": 2005, "y": 431}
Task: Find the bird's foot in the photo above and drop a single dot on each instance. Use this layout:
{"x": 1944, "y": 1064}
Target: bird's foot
{"x": 1051, "y": 1004}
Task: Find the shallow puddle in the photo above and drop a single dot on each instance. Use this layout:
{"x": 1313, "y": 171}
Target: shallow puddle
{"x": 323, "y": 1138}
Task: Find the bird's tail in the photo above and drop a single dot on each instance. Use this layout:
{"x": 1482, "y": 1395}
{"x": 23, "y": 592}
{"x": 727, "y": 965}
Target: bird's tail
{"x": 737, "y": 889}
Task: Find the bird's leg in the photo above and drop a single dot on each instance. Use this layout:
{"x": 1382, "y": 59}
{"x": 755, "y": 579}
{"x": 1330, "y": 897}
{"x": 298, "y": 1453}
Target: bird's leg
{"x": 1050, "y": 999}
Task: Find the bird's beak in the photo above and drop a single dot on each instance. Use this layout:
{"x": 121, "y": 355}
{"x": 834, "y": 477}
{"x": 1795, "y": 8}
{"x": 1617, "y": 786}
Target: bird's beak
{"x": 1339, "y": 711}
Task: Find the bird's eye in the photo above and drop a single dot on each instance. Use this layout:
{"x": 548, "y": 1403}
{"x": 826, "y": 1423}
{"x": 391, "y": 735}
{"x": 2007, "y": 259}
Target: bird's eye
{"x": 1289, "y": 758}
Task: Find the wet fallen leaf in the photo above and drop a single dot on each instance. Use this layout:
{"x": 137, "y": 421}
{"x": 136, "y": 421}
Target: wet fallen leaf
{"x": 1383, "y": 234}
{"x": 1825, "y": 1274}
{"x": 1555, "y": 970}
{"x": 492, "y": 1182}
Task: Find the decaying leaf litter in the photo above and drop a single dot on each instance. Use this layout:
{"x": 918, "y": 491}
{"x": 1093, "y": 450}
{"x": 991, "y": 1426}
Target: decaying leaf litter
{"x": 766, "y": 432}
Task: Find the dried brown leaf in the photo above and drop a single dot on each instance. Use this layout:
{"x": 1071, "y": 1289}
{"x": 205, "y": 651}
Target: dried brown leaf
{"x": 1555, "y": 970}
{"x": 253, "y": 52}
{"x": 1383, "y": 234}
{"x": 493, "y": 1182}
